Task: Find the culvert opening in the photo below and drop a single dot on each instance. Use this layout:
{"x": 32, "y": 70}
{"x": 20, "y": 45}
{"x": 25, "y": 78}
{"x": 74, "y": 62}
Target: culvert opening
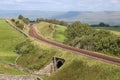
{"x": 59, "y": 64}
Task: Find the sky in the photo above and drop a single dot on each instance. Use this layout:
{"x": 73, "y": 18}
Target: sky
{"x": 61, "y": 5}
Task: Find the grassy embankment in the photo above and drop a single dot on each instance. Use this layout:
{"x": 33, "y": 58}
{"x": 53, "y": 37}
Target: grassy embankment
{"x": 81, "y": 68}
{"x": 9, "y": 38}
{"x": 35, "y": 54}
{"x": 46, "y": 29}
{"x": 25, "y": 29}
{"x": 59, "y": 33}
{"x": 76, "y": 67}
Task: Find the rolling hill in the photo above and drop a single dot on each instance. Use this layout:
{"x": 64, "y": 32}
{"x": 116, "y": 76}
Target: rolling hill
{"x": 110, "y": 17}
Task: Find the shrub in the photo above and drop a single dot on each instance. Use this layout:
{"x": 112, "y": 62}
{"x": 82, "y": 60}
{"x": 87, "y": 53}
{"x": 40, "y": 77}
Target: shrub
{"x": 25, "y": 47}
{"x": 13, "y": 20}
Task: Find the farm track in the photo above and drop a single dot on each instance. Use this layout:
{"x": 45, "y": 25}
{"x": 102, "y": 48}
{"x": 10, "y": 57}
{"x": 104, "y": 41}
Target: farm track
{"x": 90, "y": 54}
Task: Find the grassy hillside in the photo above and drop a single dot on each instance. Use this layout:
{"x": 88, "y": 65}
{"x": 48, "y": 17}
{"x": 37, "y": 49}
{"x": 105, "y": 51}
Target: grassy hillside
{"x": 9, "y": 38}
{"x": 15, "y": 21}
{"x": 45, "y": 29}
{"x": 81, "y": 68}
{"x": 39, "y": 55}
{"x": 76, "y": 67}
{"x": 52, "y": 31}
{"x": 59, "y": 33}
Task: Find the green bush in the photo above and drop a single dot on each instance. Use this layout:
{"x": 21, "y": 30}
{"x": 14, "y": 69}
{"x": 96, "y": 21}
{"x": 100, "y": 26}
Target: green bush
{"x": 84, "y": 37}
{"x": 25, "y": 20}
{"x": 20, "y": 25}
{"x": 20, "y": 17}
{"x": 13, "y": 20}
{"x": 25, "y": 47}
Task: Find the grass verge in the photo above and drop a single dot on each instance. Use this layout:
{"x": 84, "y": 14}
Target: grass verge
{"x": 52, "y": 31}
{"x": 59, "y": 33}
{"x": 45, "y": 29}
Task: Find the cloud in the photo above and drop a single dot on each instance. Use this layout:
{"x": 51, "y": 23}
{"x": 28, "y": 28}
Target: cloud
{"x": 114, "y": 1}
{"x": 19, "y": 1}
{"x": 61, "y": 5}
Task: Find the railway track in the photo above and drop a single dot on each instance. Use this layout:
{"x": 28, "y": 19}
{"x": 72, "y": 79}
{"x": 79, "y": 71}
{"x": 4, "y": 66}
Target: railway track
{"x": 90, "y": 54}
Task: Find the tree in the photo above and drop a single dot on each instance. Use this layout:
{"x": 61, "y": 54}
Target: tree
{"x": 19, "y": 25}
{"x": 102, "y": 24}
{"x": 83, "y": 36}
{"x": 20, "y": 17}
{"x": 25, "y": 47}
{"x": 17, "y": 22}
{"x": 26, "y": 20}
{"x": 77, "y": 29}
{"x": 13, "y": 20}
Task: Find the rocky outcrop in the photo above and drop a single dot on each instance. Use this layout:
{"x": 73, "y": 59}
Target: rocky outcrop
{"x": 18, "y": 77}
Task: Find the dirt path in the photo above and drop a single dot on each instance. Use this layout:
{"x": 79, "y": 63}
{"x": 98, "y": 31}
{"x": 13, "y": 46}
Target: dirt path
{"x": 102, "y": 57}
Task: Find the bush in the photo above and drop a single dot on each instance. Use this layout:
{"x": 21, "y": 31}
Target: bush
{"x": 17, "y": 22}
{"x": 20, "y": 17}
{"x": 84, "y": 37}
{"x": 25, "y": 47}
{"x": 13, "y": 20}
{"x": 26, "y": 20}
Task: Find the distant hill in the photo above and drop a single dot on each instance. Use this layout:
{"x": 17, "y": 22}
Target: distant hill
{"x": 110, "y": 17}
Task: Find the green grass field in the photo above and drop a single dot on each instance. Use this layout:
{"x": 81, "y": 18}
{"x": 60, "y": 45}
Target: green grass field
{"x": 110, "y": 28}
{"x": 115, "y": 30}
{"x": 59, "y": 33}
{"x": 9, "y": 38}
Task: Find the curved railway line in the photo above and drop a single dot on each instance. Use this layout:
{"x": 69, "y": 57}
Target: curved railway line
{"x": 90, "y": 54}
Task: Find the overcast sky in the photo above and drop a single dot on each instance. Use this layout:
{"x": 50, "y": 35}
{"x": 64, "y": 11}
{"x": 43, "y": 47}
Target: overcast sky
{"x": 61, "y": 5}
